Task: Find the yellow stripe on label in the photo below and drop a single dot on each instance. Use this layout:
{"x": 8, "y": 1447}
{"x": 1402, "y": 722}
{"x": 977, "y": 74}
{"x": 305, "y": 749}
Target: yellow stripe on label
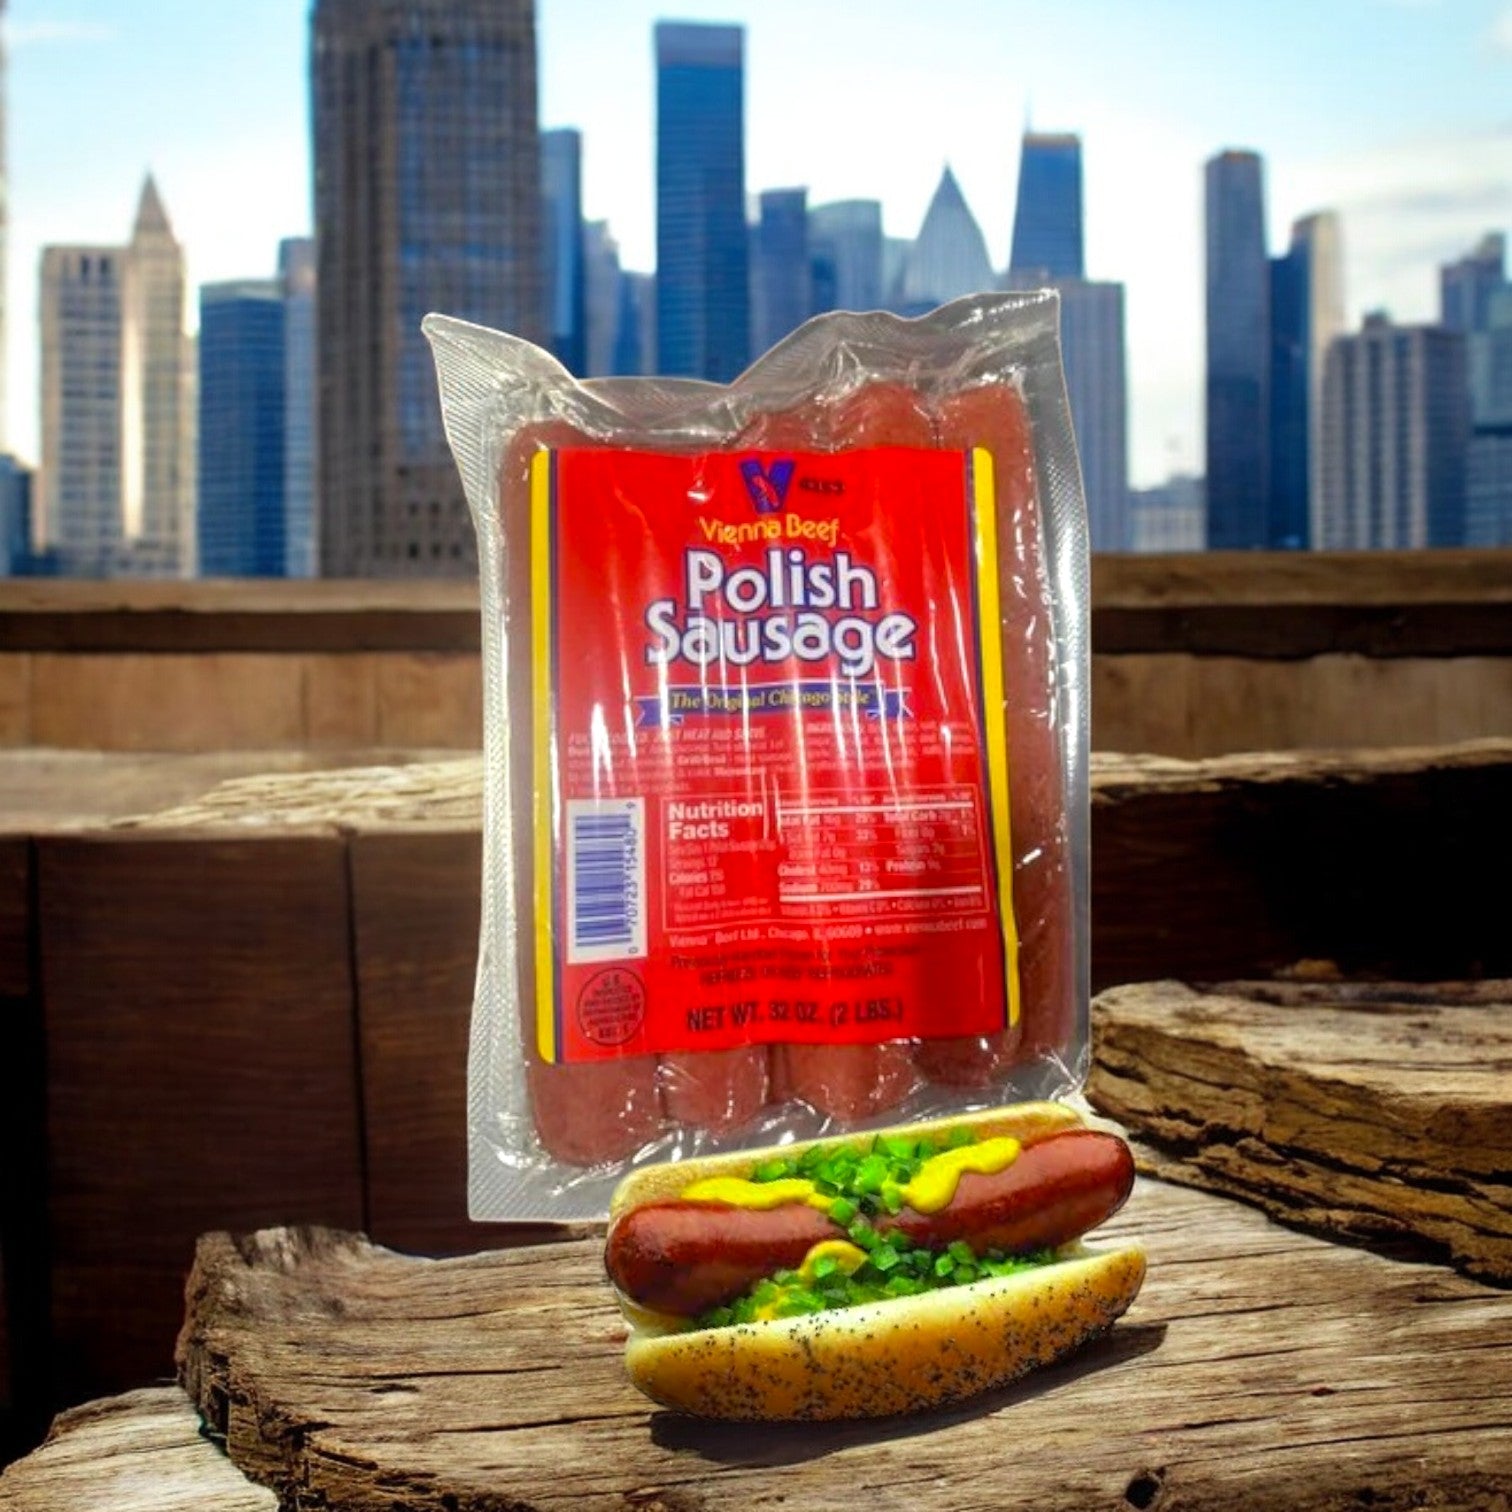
{"x": 542, "y": 791}
{"x": 990, "y": 650}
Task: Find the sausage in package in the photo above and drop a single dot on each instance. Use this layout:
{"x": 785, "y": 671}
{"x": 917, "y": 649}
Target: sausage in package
{"x": 785, "y": 743}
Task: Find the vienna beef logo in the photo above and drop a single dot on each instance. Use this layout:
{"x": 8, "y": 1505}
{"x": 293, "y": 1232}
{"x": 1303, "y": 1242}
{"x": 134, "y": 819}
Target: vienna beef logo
{"x": 767, "y": 485}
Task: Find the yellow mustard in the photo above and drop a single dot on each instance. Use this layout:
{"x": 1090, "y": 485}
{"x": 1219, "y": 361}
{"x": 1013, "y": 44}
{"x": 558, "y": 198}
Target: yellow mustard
{"x": 932, "y": 1187}
{"x": 847, "y": 1257}
{"x": 761, "y": 1195}
{"x": 935, "y": 1184}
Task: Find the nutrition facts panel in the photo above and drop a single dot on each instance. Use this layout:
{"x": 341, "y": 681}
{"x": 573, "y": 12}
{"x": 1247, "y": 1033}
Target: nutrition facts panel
{"x": 924, "y": 854}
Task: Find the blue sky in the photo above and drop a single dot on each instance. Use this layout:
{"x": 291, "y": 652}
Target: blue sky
{"x": 1398, "y": 113}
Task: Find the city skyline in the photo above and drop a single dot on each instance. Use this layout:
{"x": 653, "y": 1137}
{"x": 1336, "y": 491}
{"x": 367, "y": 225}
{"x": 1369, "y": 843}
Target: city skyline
{"x": 1418, "y": 173}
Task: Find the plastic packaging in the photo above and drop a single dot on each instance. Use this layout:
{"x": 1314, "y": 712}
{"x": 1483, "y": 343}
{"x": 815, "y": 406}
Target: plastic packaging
{"x": 783, "y": 681}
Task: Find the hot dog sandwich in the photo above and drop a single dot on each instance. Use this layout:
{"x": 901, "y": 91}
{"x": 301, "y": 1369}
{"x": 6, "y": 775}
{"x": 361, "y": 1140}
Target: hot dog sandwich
{"x": 875, "y": 1274}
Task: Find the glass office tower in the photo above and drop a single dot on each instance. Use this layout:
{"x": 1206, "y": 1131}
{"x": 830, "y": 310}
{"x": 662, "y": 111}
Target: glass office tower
{"x": 703, "y": 301}
{"x": 562, "y": 248}
{"x": 241, "y": 429}
{"x": 1238, "y": 354}
{"x": 1047, "y": 220}
{"x": 427, "y": 197}
{"x": 782, "y": 283}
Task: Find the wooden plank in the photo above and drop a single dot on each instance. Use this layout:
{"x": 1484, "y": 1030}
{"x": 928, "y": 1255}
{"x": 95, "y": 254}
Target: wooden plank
{"x": 415, "y": 901}
{"x": 1300, "y": 578}
{"x": 142, "y": 1452}
{"x": 201, "y": 1070}
{"x": 1372, "y": 1111}
{"x": 15, "y": 916}
{"x": 1243, "y": 866}
{"x": 48, "y": 791}
{"x": 250, "y": 616}
{"x": 433, "y": 699}
{"x": 1259, "y": 1369}
{"x": 15, "y": 699}
{"x": 1200, "y": 706}
{"x": 1257, "y": 604}
{"x": 23, "y": 1210}
{"x": 171, "y": 702}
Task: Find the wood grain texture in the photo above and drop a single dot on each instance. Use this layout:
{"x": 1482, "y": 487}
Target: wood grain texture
{"x": 1368, "y": 1111}
{"x": 1259, "y": 1369}
{"x": 23, "y": 1206}
{"x": 415, "y": 902}
{"x": 15, "y": 698}
{"x": 142, "y": 1452}
{"x": 201, "y": 1071}
{"x": 1193, "y": 706}
{"x": 15, "y": 916}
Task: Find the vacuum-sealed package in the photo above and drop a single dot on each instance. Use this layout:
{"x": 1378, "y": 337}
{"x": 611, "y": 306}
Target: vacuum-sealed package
{"x": 785, "y": 743}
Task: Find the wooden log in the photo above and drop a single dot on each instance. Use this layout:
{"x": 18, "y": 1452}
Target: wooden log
{"x": 201, "y": 1069}
{"x": 142, "y": 1452}
{"x": 1371, "y": 1112}
{"x": 1259, "y": 1369}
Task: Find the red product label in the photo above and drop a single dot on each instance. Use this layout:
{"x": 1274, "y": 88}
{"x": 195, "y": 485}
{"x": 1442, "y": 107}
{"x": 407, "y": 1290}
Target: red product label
{"x": 769, "y": 808}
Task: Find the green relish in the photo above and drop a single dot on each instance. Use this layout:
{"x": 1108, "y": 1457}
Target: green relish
{"x": 864, "y": 1182}
{"x": 894, "y": 1267}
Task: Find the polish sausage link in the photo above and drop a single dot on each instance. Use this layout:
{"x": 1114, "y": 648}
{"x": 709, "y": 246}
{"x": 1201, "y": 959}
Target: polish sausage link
{"x": 583, "y": 1113}
{"x": 846, "y": 1081}
{"x": 1055, "y": 1191}
{"x": 993, "y": 416}
{"x": 685, "y": 1257}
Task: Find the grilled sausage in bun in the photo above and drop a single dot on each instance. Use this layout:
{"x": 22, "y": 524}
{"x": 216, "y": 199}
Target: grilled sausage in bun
{"x": 873, "y": 1274}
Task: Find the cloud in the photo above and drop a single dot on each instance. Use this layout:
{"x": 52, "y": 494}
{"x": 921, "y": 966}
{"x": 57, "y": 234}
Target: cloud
{"x": 1408, "y": 208}
{"x": 44, "y": 33}
{"x": 1501, "y": 31}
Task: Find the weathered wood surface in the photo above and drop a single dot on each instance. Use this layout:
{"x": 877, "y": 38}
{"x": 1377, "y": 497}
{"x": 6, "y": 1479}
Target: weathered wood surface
{"x": 1260, "y": 1369}
{"x": 1441, "y": 602}
{"x": 142, "y": 1452}
{"x": 1375, "y": 1112}
{"x": 200, "y": 1055}
{"x": 276, "y": 911}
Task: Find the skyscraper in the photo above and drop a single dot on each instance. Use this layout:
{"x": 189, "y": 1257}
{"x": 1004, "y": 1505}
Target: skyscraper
{"x": 845, "y": 250}
{"x": 562, "y": 248}
{"x": 242, "y": 429}
{"x": 427, "y": 197}
{"x": 15, "y": 517}
{"x": 1320, "y": 242}
{"x": 1287, "y": 523}
{"x": 1092, "y": 346}
{"x": 157, "y": 455}
{"x": 1396, "y": 429}
{"x": 781, "y": 279}
{"x": 1466, "y": 286}
{"x": 296, "y": 272}
{"x": 1306, "y": 313}
{"x": 703, "y": 298}
{"x": 117, "y": 484}
{"x": 1047, "y": 250}
{"x": 1238, "y": 353}
{"x": 1047, "y": 219}
{"x": 949, "y": 257}
{"x": 601, "y": 281}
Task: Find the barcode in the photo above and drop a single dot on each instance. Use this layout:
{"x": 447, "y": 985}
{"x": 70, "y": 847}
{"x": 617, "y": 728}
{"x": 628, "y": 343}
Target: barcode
{"x": 606, "y": 879}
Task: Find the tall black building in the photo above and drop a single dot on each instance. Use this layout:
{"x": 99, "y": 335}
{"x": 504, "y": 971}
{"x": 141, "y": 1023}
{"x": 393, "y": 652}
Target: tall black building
{"x": 427, "y": 197}
{"x": 1238, "y": 354}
